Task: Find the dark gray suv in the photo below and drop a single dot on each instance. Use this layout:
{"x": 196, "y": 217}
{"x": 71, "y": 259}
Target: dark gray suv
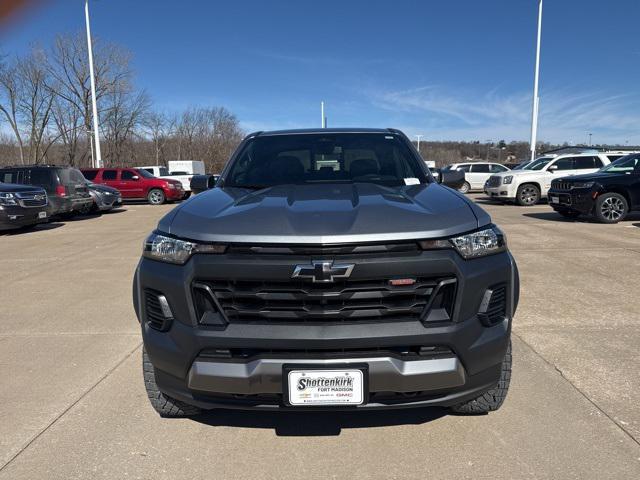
{"x": 326, "y": 270}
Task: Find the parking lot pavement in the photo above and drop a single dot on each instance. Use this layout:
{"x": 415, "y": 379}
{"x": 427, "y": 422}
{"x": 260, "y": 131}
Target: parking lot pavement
{"x": 74, "y": 404}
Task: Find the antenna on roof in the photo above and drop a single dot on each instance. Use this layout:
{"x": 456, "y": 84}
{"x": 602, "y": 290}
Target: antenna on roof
{"x": 323, "y": 119}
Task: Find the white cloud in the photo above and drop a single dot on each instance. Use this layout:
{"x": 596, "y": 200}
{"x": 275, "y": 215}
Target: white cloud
{"x": 565, "y": 114}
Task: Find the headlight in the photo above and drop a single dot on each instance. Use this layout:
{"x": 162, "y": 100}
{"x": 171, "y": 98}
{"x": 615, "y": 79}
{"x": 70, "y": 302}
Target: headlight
{"x": 171, "y": 185}
{"x": 582, "y": 184}
{"x": 173, "y": 250}
{"x": 472, "y": 245}
{"x": 507, "y": 179}
{"x": 8, "y": 199}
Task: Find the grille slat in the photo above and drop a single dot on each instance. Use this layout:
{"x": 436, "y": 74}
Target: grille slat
{"x": 153, "y": 310}
{"x": 563, "y": 186}
{"x": 299, "y": 301}
{"x": 497, "y": 309}
{"x": 32, "y": 199}
{"x": 494, "y": 181}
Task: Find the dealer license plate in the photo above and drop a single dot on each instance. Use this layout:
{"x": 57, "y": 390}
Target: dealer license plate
{"x": 42, "y": 214}
{"x": 325, "y": 387}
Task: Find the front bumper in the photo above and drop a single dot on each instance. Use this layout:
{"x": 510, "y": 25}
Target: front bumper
{"x": 468, "y": 364}
{"x": 502, "y": 192}
{"x": 174, "y": 193}
{"x": 578, "y": 200}
{"x": 15, "y": 216}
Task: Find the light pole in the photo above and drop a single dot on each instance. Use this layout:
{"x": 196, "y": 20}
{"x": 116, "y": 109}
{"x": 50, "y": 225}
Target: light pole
{"x": 96, "y": 130}
{"x": 590, "y": 138}
{"x": 323, "y": 119}
{"x": 536, "y": 99}
{"x": 419, "y": 137}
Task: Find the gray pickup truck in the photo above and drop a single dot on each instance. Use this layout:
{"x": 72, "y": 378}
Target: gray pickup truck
{"x": 326, "y": 270}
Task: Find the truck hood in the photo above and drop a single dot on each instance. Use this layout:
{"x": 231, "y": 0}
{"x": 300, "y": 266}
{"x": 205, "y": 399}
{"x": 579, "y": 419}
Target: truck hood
{"x": 593, "y": 177}
{"x": 521, "y": 173}
{"x": 14, "y": 187}
{"x": 324, "y": 214}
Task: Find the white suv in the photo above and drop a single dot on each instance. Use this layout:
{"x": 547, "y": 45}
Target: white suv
{"x": 529, "y": 185}
{"x": 476, "y": 173}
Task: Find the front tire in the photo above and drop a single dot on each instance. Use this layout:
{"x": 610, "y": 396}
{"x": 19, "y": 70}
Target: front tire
{"x": 465, "y": 188}
{"x": 528, "y": 195}
{"x": 611, "y": 208}
{"x": 492, "y": 399}
{"x": 163, "y": 404}
{"x": 156, "y": 196}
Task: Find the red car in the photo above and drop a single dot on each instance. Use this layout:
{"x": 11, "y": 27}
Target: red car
{"x": 136, "y": 183}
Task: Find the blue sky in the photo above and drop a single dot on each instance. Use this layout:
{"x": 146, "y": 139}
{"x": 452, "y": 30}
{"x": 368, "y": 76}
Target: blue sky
{"x": 445, "y": 69}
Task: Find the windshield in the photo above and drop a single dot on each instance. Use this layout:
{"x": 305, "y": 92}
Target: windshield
{"x": 145, "y": 174}
{"x": 325, "y": 158}
{"x": 629, "y": 163}
{"x": 538, "y": 163}
{"x": 521, "y": 166}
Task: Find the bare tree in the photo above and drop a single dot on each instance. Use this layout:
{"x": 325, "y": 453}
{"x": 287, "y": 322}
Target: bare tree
{"x": 125, "y": 110}
{"x": 70, "y": 69}
{"x": 70, "y": 128}
{"x": 10, "y": 97}
{"x": 159, "y": 127}
{"x": 35, "y": 103}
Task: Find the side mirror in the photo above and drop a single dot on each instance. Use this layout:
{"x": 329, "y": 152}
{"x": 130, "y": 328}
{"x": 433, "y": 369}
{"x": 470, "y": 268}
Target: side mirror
{"x": 552, "y": 168}
{"x": 200, "y": 183}
{"x": 135, "y": 177}
{"x": 451, "y": 178}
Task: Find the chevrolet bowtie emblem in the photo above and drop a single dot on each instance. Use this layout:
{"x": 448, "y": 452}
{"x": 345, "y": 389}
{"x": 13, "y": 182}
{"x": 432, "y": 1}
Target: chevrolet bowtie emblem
{"x": 323, "y": 271}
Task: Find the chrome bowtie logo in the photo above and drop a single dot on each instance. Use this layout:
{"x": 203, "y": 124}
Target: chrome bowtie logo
{"x": 38, "y": 197}
{"x": 323, "y": 271}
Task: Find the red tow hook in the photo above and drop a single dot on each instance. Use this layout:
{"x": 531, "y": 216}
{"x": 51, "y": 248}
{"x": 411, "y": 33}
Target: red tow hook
{"x": 594, "y": 195}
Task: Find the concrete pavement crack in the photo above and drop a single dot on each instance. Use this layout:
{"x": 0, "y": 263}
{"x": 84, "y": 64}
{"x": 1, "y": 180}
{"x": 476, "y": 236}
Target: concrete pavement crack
{"x": 577, "y": 389}
{"x": 64, "y": 412}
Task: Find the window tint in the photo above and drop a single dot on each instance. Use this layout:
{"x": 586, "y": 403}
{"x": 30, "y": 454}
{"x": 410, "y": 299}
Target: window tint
{"x": 613, "y": 158}
{"x": 9, "y": 177}
{"x": 324, "y": 158}
{"x": 564, "y": 164}
{"x": 144, "y": 173}
{"x": 480, "y": 168}
{"x": 587, "y": 162}
{"x": 42, "y": 177}
{"x": 127, "y": 175}
{"x": 90, "y": 174}
{"x": 464, "y": 168}
{"x": 71, "y": 175}
{"x": 497, "y": 168}
{"x": 630, "y": 163}
{"x": 109, "y": 174}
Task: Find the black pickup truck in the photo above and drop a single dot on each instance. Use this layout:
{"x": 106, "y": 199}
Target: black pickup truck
{"x": 327, "y": 269}
{"x": 22, "y": 206}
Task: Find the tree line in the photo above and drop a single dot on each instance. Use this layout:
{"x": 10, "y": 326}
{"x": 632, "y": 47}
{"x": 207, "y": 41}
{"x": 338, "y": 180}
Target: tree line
{"x": 46, "y": 114}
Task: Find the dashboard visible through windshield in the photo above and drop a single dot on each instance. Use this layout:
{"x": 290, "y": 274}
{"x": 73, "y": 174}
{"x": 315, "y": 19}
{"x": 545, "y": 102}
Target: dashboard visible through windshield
{"x": 325, "y": 158}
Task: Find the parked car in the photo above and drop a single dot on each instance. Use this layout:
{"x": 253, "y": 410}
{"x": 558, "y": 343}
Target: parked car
{"x": 529, "y": 185}
{"x": 162, "y": 172}
{"x": 22, "y": 206}
{"x": 476, "y": 173}
{"x": 326, "y": 269}
{"x": 136, "y": 183}
{"x": 66, "y": 188}
{"x": 609, "y": 194}
{"x": 105, "y": 198}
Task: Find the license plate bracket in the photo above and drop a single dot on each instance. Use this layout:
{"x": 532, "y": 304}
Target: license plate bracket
{"x": 325, "y": 393}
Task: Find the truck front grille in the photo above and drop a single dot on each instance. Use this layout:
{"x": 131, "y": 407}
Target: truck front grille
{"x": 32, "y": 199}
{"x": 494, "y": 181}
{"x": 345, "y": 301}
{"x": 561, "y": 185}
